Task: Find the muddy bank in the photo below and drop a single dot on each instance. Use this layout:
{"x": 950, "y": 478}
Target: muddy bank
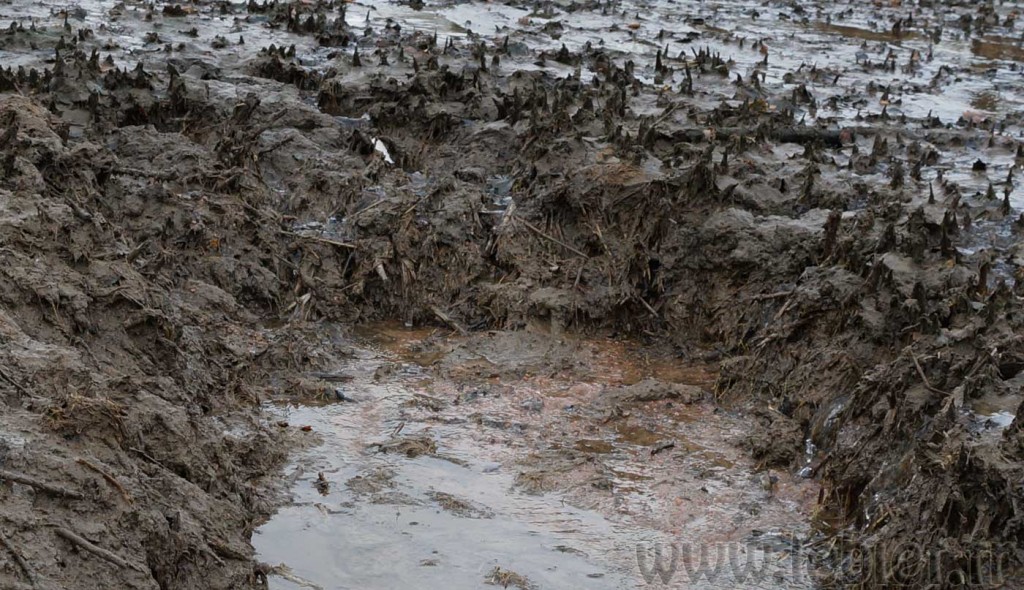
{"x": 134, "y": 360}
{"x": 828, "y": 211}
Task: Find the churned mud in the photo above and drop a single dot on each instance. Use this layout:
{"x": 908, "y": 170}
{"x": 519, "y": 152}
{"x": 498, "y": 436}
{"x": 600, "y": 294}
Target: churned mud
{"x": 724, "y": 274}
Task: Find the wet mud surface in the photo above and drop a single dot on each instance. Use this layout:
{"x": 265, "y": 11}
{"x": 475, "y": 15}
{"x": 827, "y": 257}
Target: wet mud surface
{"x": 441, "y": 472}
{"x": 807, "y": 213}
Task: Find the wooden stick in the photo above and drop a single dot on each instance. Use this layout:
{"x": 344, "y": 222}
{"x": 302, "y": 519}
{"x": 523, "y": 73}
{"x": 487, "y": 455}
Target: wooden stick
{"x": 920, "y": 372}
{"x": 6, "y": 377}
{"x": 98, "y": 551}
{"x": 110, "y": 479}
{"x": 222, "y": 548}
{"x": 6, "y": 543}
{"x": 776, "y": 295}
{"x": 286, "y": 573}
{"x": 648, "y": 306}
{"x": 448, "y": 320}
{"x": 318, "y": 239}
{"x": 540, "y": 233}
{"x": 40, "y": 485}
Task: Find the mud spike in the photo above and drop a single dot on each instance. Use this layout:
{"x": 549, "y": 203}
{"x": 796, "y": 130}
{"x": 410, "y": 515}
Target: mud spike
{"x": 915, "y": 172}
{"x": 356, "y": 62}
{"x": 967, "y": 220}
{"x": 807, "y": 191}
{"x": 415, "y": 65}
{"x": 887, "y": 240}
{"x": 949, "y": 223}
{"x": 983, "y": 277}
{"x": 945, "y": 244}
{"x": 990, "y": 194}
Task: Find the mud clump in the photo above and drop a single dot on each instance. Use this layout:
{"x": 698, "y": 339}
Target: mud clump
{"x": 459, "y": 507}
{"x": 411, "y": 447}
{"x": 505, "y": 578}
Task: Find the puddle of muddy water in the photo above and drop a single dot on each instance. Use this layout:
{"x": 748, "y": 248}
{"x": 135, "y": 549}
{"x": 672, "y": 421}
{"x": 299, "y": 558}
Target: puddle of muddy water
{"x": 667, "y": 475}
{"x": 392, "y": 532}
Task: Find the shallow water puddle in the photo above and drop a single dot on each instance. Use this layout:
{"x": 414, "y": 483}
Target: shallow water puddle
{"x": 434, "y": 478}
{"x": 390, "y": 520}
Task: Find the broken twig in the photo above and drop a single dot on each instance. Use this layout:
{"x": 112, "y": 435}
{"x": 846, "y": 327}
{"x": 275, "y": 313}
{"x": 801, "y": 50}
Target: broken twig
{"x": 285, "y": 572}
{"x": 6, "y": 377}
{"x": 540, "y": 233}
{"x": 920, "y": 372}
{"x": 56, "y": 490}
{"x": 448, "y": 320}
{"x": 775, "y": 295}
{"x": 6, "y": 543}
{"x": 337, "y": 243}
{"x": 109, "y": 478}
{"x": 97, "y": 551}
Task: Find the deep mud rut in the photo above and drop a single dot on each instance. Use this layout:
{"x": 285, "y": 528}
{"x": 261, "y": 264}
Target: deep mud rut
{"x": 807, "y": 210}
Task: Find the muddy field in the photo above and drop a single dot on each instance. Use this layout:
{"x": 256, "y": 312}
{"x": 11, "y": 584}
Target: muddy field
{"x": 568, "y": 280}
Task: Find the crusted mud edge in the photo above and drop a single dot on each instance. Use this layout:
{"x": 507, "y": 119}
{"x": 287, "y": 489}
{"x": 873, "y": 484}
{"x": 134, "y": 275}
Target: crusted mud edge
{"x": 173, "y": 239}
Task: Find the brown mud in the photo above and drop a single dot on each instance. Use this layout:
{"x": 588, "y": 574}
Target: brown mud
{"x": 815, "y": 205}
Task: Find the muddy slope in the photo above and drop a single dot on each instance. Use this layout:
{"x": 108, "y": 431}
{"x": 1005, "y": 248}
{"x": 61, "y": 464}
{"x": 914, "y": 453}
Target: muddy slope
{"x": 136, "y": 281}
{"x": 156, "y": 219}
